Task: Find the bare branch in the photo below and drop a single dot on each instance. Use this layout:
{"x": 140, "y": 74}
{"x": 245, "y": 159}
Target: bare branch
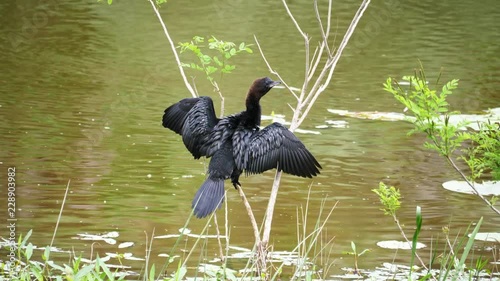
{"x": 172, "y": 46}
{"x": 471, "y": 184}
{"x": 294, "y": 21}
{"x": 272, "y": 70}
{"x": 306, "y": 72}
{"x": 216, "y": 88}
{"x": 311, "y": 99}
{"x": 407, "y": 240}
{"x": 318, "y": 18}
{"x": 217, "y": 232}
{"x": 329, "y": 67}
{"x": 329, "y": 18}
{"x": 60, "y": 213}
{"x": 270, "y": 208}
{"x": 226, "y": 224}
{"x": 194, "y": 86}
{"x": 318, "y": 54}
{"x": 306, "y": 42}
{"x": 250, "y": 215}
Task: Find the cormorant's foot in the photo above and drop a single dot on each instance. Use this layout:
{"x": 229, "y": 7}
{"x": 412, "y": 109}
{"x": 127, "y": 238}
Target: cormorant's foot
{"x": 236, "y": 184}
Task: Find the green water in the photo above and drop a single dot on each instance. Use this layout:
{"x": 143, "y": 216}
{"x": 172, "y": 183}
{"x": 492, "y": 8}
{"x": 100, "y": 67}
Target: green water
{"x": 84, "y": 86}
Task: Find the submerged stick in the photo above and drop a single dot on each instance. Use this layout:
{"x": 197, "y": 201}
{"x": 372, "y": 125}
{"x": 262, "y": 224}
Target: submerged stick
{"x": 60, "y": 214}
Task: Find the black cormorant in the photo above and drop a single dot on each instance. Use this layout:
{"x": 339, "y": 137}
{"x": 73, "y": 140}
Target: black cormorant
{"x": 235, "y": 144}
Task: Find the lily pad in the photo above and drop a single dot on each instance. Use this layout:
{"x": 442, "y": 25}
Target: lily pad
{"x": 473, "y": 120}
{"x": 239, "y": 248}
{"x": 348, "y": 276}
{"x": 167, "y": 236}
{"x": 125, "y": 245}
{"x": 103, "y": 259}
{"x": 393, "y": 244}
{"x": 373, "y": 115}
{"x": 300, "y": 131}
{"x": 280, "y": 118}
{"x": 485, "y": 188}
{"x": 130, "y": 256}
{"x": 112, "y": 234}
{"x": 488, "y": 236}
{"x": 106, "y": 237}
{"x": 184, "y": 230}
{"x": 322, "y": 127}
{"x": 337, "y": 123}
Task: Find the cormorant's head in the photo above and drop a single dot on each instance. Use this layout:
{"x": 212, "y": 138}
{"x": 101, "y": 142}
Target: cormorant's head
{"x": 261, "y": 86}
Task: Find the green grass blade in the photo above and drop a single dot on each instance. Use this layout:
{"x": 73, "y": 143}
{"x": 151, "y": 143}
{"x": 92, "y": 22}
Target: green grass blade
{"x": 469, "y": 245}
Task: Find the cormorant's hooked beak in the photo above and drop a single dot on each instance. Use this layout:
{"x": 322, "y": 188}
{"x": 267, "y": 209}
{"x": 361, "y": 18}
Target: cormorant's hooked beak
{"x": 274, "y": 83}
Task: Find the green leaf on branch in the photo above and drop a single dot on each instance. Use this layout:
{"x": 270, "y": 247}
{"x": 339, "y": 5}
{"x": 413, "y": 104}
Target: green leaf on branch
{"x": 228, "y": 68}
{"x": 210, "y": 70}
{"x": 205, "y": 59}
{"x": 389, "y": 197}
{"x": 214, "y": 58}
{"x": 217, "y": 61}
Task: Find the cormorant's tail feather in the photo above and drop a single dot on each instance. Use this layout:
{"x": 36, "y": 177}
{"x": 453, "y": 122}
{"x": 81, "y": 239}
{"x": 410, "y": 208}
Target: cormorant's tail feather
{"x": 208, "y": 198}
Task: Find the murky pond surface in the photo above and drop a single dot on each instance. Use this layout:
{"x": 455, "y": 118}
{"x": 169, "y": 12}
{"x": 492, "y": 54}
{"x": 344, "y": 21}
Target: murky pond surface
{"x": 84, "y": 86}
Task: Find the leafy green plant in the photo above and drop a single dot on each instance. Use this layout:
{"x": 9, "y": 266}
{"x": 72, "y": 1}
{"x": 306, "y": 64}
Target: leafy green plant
{"x": 480, "y": 150}
{"x": 433, "y": 117}
{"x": 26, "y": 268}
{"x": 213, "y": 59}
{"x": 428, "y": 106}
{"x": 452, "y": 265}
{"x": 212, "y": 64}
{"x": 390, "y": 199}
{"x": 484, "y": 153}
{"x": 356, "y": 255}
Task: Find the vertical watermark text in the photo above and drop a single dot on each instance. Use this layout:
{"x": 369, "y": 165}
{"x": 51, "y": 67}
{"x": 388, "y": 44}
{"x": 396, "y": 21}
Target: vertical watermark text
{"x": 11, "y": 218}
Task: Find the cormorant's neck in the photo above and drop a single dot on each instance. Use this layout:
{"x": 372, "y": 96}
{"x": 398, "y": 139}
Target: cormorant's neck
{"x": 253, "y": 109}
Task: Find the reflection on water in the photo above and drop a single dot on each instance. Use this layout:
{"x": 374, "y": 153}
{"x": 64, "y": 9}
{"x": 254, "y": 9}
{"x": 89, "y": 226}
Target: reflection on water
{"x": 84, "y": 91}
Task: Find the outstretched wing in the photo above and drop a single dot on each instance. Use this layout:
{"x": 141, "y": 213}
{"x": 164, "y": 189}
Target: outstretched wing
{"x": 194, "y": 119}
{"x": 275, "y": 146}
{"x": 175, "y": 115}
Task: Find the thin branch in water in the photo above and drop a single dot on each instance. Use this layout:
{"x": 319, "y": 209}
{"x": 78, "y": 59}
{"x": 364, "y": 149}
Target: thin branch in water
{"x": 293, "y": 20}
{"x": 318, "y": 19}
{"x": 320, "y": 86}
{"x": 318, "y": 53}
{"x": 255, "y": 228}
{"x": 226, "y": 223}
{"x": 272, "y": 70}
{"x": 60, "y": 214}
{"x": 471, "y": 184}
{"x": 218, "y": 237}
{"x": 148, "y": 253}
{"x": 270, "y": 207}
{"x": 306, "y": 71}
{"x": 172, "y": 46}
{"x": 306, "y": 42}
{"x": 407, "y": 240}
{"x": 194, "y": 86}
{"x": 216, "y": 88}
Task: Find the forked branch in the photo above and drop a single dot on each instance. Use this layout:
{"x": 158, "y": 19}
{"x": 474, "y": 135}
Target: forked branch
{"x": 308, "y": 95}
